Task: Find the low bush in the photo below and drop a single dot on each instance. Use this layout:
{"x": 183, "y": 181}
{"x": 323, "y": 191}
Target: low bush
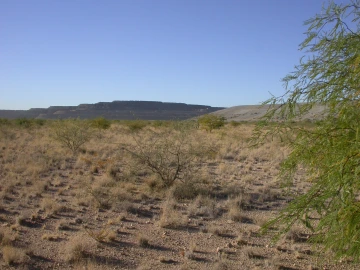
{"x": 210, "y": 122}
{"x": 100, "y": 123}
{"x": 72, "y": 133}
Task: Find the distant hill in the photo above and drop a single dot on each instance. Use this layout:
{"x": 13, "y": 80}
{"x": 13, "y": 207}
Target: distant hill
{"x": 121, "y": 110}
{"x": 255, "y": 112}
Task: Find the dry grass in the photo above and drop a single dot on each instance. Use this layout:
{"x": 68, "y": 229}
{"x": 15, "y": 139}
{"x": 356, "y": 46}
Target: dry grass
{"x": 13, "y": 255}
{"x": 143, "y": 241}
{"x": 171, "y": 217}
{"x": 50, "y": 237}
{"x": 77, "y": 249}
{"x": 99, "y": 208}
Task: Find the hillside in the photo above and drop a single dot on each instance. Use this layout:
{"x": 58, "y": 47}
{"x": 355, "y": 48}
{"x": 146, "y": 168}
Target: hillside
{"x": 255, "y": 112}
{"x": 122, "y": 110}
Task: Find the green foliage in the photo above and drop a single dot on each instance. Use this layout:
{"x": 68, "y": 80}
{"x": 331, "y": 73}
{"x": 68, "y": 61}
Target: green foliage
{"x": 39, "y": 122}
{"x": 23, "y": 122}
{"x": 161, "y": 123}
{"x": 5, "y": 122}
{"x": 211, "y": 121}
{"x": 28, "y": 122}
{"x": 100, "y": 123}
{"x": 72, "y": 133}
{"x": 329, "y": 150}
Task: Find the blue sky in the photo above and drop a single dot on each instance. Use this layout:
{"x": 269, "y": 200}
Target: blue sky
{"x": 211, "y": 52}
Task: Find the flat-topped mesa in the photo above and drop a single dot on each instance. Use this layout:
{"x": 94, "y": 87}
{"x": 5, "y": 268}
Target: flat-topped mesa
{"x": 121, "y": 110}
{"x": 145, "y": 105}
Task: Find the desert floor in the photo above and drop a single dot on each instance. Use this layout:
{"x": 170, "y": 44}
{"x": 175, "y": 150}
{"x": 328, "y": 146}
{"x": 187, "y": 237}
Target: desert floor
{"x": 114, "y": 203}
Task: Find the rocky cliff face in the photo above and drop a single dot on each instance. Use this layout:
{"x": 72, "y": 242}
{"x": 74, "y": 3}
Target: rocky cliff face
{"x": 122, "y": 110}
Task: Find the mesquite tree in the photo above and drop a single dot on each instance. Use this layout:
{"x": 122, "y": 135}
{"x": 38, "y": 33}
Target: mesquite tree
{"x": 327, "y": 75}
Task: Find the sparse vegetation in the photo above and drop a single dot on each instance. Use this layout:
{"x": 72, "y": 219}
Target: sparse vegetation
{"x": 77, "y": 250}
{"x": 13, "y": 255}
{"x": 55, "y": 208}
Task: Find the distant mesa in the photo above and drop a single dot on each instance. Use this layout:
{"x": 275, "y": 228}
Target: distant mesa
{"x": 120, "y": 110}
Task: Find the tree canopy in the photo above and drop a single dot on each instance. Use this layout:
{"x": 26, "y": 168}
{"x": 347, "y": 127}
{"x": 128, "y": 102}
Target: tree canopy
{"x": 327, "y": 75}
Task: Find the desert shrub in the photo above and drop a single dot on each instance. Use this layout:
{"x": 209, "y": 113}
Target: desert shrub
{"x": 72, "y": 133}
{"x": 100, "y": 123}
{"x": 5, "y": 122}
{"x": 29, "y": 122}
{"x": 185, "y": 190}
{"x": 40, "y": 122}
{"x": 210, "y": 122}
{"x": 169, "y": 154}
{"x": 23, "y": 122}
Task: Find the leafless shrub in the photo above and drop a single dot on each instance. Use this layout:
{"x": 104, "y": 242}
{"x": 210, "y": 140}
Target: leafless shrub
{"x": 171, "y": 154}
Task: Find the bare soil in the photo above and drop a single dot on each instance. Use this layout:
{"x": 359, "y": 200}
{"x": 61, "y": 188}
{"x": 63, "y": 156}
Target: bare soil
{"x": 101, "y": 209}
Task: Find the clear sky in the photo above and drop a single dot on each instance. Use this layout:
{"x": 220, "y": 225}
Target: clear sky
{"x": 209, "y": 52}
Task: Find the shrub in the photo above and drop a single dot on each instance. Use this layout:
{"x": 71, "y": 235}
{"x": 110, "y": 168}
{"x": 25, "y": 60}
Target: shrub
{"x": 100, "y": 123}
{"x": 170, "y": 155}
{"x": 5, "y": 122}
{"x": 72, "y": 133}
{"x": 185, "y": 190}
{"x": 23, "y": 122}
{"x": 210, "y": 122}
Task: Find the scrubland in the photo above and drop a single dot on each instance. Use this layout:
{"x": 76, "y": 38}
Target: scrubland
{"x": 146, "y": 195}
